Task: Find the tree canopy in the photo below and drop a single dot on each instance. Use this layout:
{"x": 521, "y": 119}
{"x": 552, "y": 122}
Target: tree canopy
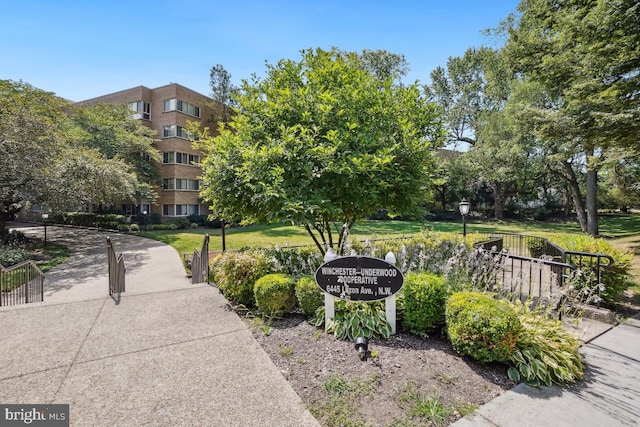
{"x": 59, "y": 157}
{"x": 583, "y": 58}
{"x": 322, "y": 142}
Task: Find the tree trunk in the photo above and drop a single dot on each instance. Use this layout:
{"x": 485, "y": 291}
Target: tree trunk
{"x": 315, "y": 239}
{"x": 443, "y": 198}
{"x": 499, "y": 200}
{"x": 592, "y": 205}
{"x": 566, "y": 201}
{"x": 4, "y": 216}
{"x": 578, "y": 202}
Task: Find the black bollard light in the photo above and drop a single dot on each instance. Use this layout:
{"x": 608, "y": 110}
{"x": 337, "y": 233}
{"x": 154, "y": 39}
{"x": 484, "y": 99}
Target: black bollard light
{"x": 362, "y": 345}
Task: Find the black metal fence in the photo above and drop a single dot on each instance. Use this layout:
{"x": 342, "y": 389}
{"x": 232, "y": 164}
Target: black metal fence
{"x": 534, "y": 267}
{"x": 537, "y": 280}
{"x": 200, "y": 263}
{"x": 116, "y": 270}
{"x": 21, "y": 284}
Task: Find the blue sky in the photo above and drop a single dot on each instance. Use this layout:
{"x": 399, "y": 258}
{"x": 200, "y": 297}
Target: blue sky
{"x": 83, "y": 49}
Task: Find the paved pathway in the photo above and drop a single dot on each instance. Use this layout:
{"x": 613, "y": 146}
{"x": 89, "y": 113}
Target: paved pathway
{"x": 166, "y": 353}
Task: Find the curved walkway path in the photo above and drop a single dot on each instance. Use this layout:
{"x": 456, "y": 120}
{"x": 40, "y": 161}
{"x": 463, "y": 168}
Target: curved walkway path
{"x": 165, "y": 353}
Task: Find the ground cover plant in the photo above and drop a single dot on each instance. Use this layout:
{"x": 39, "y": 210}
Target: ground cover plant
{"x": 15, "y": 248}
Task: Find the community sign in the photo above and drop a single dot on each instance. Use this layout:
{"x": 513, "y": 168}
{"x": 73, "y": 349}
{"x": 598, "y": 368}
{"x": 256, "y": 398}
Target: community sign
{"x": 359, "y": 278}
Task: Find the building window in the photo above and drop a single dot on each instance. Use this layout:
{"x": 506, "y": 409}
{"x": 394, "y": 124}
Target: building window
{"x": 184, "y": 210}
{"x": 180, "y": 210}
{"x": 183, "y": 184}
{"x": 184, "y": 107}
{"x": 174, "y": 131}
{"x": 180, "y": 158}
{"x": 169, "y": 157}
{"x": 128, "y": 209}
{"x": 168, "y": 210}
{"x": 141, "y": 110}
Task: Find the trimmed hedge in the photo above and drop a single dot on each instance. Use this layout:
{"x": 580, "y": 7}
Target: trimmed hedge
{"x": 482, "y": 327}
{"x": 425, "y": 296}
{"x": 275, "y": 294}
{"x": 235, "y": 274}
{"x": 614, "y": 278}
{"x": 309, "y": 295}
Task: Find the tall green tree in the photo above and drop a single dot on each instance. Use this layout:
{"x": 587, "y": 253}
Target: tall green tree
{"x": 110, "y": 130}
{"x": 322, "y": 142}
{"x": 223, "y": 91}
{"x": 59, "y": 157}
{"x": 585, "y": 56}
{"x": 30, "y": 138}
{"x": 473, "y": 91}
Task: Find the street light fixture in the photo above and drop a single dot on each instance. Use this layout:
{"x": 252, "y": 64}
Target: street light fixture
{"x": 45, "y": 216}
{"x": 464, "y": 211}
{"x": 144, "y": 212}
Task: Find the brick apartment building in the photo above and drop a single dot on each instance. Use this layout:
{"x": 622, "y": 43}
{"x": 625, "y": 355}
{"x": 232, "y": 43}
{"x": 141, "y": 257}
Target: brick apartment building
{"x": 166, "y": 109}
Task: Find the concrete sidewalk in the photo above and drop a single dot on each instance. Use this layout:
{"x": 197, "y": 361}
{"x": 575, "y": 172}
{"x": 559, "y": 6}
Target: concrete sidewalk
{"x": 609, "y": 396}
{"x": 151, "y": 266}
{"x": 166, "y": 353}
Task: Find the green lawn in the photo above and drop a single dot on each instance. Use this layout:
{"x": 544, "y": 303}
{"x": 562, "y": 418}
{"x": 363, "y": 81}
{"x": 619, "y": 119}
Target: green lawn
{"x": 286, "y": 235}
{"x": 624, "y": 230}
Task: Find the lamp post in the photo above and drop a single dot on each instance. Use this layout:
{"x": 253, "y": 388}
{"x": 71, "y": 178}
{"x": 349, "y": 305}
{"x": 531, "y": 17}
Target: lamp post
{"x": 464, "y": 211}
{"x": 144, "y": 212}
{"x": 45, "y": 216}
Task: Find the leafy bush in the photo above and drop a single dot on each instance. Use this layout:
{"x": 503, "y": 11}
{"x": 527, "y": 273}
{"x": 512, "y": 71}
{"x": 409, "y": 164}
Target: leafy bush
{"x": 481, "y": 326}
{"x": 203, "y": 221}
{"x": 162, "y": 227}
{"x": 180, "y": 223}
{"x": 309, "y": 295}
{"x": 110, "y": 221}
{"x": 83, "y": 219}
{"x": 540, "y": 214}
{"x": 134, "y": 227}
{"x": 149, "y": 219}
{"x": 615, "y": 278}
{"x": 545, "y": 353}
{"x": 275, "y": 294}
{"x": 425, "y": 296}
{"x": 235, "y": 274}
{"x": 194, "y": 225}
{"x": 11, "y": 256}
{"x": 12, "y": 237}
{"x": 90, "y": 219}
{"x": 356, "y": 319}
{"x": 123, "y": 227}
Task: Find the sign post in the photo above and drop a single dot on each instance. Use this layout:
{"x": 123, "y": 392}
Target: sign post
{"x": 360, "y": 278}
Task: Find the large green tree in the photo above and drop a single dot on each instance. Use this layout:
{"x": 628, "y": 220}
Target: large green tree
{"x": 30, "y": 137}
{"x": 474, "y": 90}
{"x": 585, "y": 58}
{"x": 110, "y": 130}
{"x": 322, "y": 142}
{"x": 60, "y": 157}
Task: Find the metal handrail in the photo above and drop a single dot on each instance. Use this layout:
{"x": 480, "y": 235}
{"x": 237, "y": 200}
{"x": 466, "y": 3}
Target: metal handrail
{"x": 25, "y": 282}
{"x": 116, "y": 270}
